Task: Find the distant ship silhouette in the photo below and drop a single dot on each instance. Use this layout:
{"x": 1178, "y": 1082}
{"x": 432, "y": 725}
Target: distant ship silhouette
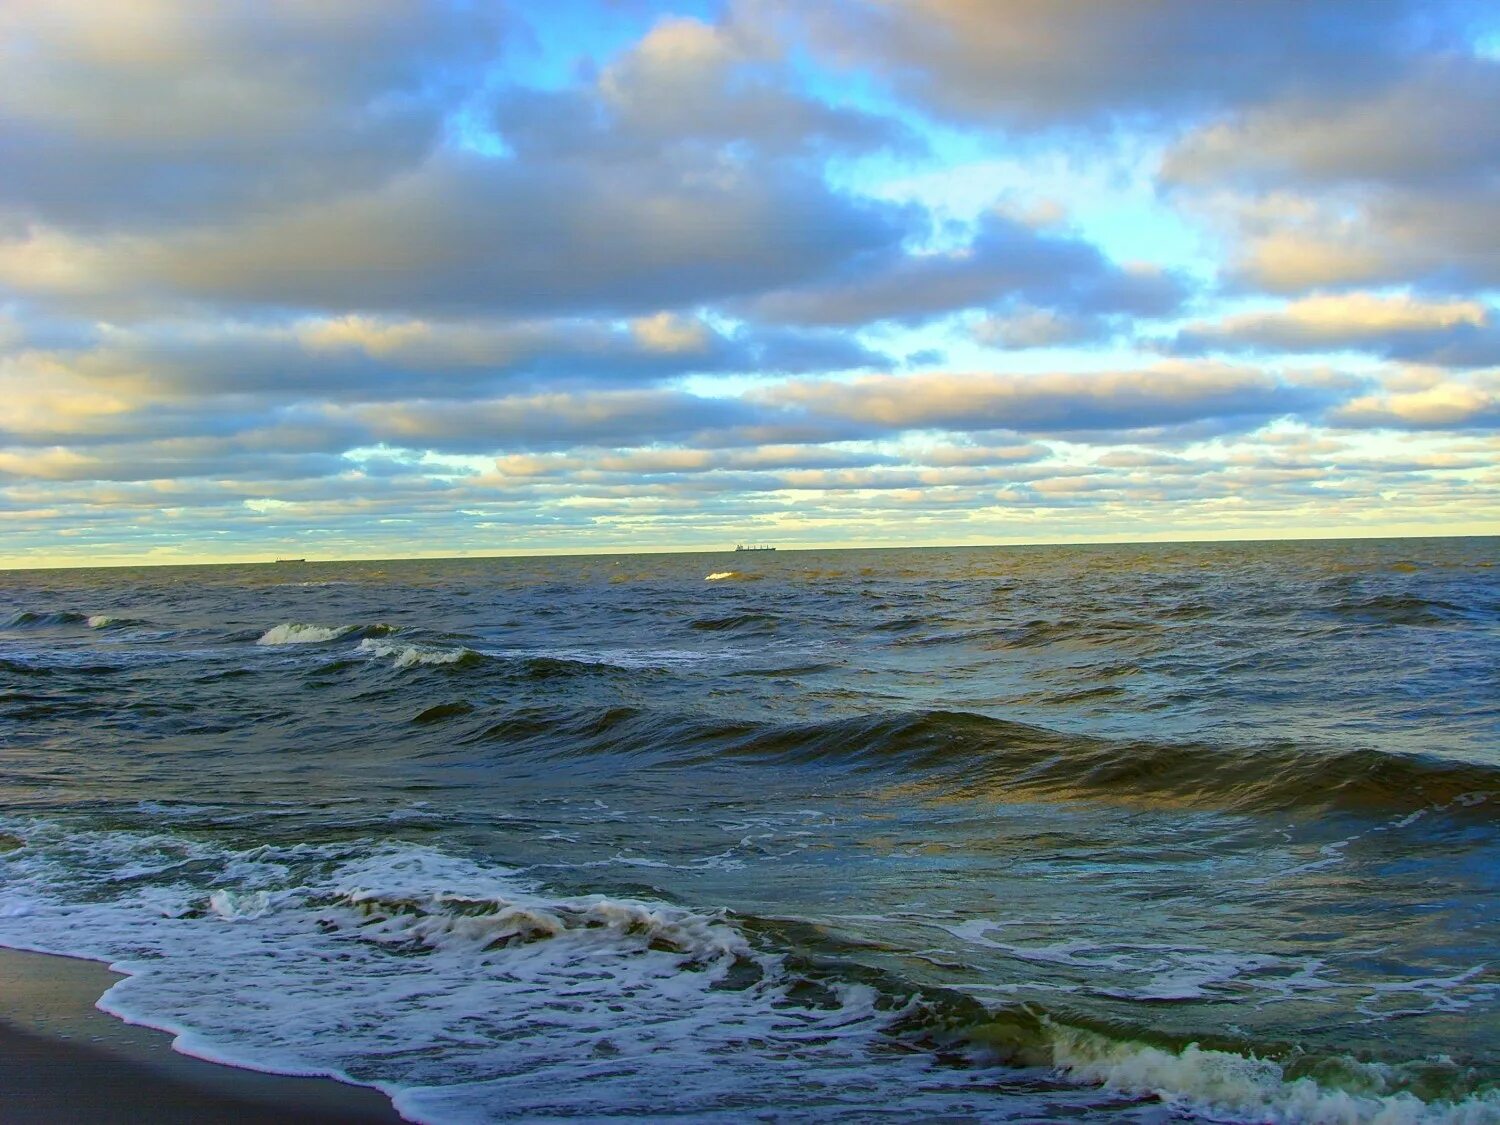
{"x": 753, "y": 547}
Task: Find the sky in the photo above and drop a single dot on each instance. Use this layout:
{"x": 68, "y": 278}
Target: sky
{"x": 379, "y": 278}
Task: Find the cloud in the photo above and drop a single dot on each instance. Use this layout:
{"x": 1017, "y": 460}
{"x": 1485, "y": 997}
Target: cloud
{"x": 1452, "y": 332}
{"x": 138, "y": 114}
{"x": 1030, "y": 327}
{"x": 1007, "y": 261}
{"x": 688, "y": 84}
{"x": 1433, "y": 126}
{"x": 1057, "y": 403}
{"x": 195, "y": 375}
{"x": 478, "y": 235}
{"x": 543, "y": 421}
{"x": 1472, "y": 404}
{"x": 1022, "y": 64}
{"x": 1393, "y": 185}
{"x": 1289, "y": 243}
{"x": 320, "y": 158}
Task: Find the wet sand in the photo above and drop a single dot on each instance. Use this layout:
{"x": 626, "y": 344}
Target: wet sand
{"x": 61, "y": 1059}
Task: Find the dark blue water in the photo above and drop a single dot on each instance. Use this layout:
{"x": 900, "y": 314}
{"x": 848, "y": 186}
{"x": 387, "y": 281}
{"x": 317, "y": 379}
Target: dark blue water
{"x": 1137, "y": 833}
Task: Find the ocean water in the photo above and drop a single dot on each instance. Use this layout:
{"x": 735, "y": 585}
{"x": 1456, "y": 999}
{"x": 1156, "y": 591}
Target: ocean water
{"x": 1114, "y": 833}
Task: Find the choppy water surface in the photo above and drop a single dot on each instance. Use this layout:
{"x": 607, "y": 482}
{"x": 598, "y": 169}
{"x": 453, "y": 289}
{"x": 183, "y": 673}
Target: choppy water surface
{"x": 1136, "y": 833}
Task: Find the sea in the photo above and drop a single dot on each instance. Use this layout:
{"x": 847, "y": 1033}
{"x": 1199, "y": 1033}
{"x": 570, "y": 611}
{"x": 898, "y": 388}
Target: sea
{"x": 1124, "y": 833}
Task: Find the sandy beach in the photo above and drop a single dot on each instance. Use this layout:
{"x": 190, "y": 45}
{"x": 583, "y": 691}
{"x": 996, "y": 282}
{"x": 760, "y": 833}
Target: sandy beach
{"x": 61, "y": 1059}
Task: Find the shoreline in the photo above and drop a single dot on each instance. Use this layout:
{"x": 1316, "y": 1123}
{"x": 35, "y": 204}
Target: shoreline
{"x": 62, "y": 1059}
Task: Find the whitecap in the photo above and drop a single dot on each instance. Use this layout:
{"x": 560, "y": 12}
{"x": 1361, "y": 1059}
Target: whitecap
{"x": 232, "y": 905}
{"x": 295, "y": 634}
{"x": 407, "y": 656}
{"x": 1223, "y": 1085}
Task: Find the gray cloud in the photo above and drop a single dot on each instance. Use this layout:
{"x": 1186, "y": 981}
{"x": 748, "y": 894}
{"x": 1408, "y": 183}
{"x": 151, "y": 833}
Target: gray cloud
{"x": 1393, "y": 184}
{"x": 1018, "y": 63}
{"x": 1432, "y": 126}
{"x": 1060, "y": 403}
{"x": 1443, "y": 333}
{"x": 369, "y": 359}
{"x": 121, "y": 114}
{"x": 1447, "y": 241}
{"x": 1006, "y": 262}
{"x": 547, "y": 421}
{"x": 469, "y": 235}
{"x": 681, "y": 174}
{"x": 689, "y": 84}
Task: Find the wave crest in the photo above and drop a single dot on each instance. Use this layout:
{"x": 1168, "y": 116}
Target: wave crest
{"x": 294, "y": 633}
{"x": 409, "y": 656}
{"x": 495, "y": 922}
{"x": 967, "y": 756}
{"x": 34, "y": 619}
{"x": 1247, "y": 1087}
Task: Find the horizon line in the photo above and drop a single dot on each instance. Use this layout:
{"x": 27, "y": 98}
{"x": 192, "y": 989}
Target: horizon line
{"x": 788, "y": 549}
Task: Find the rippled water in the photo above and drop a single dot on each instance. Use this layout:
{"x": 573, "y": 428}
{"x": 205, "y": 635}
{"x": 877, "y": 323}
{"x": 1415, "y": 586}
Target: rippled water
{"x": 1112, "y": 833}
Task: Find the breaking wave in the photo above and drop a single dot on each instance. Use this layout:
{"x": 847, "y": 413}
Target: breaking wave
{"x": 299, "y": 634}
{"x": 409, "y": 656}
{"x": 413, "y": 970}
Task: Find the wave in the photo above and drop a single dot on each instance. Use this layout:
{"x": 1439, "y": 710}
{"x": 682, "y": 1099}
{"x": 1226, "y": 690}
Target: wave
{"x": 33, "y": 619}
{"x": 1398, "y": 609}
{"x": 340, "y": 958}
{"x": 1040, "y": 633}
{"x": 59, "y": 663}
{"x": 22, "y": 668}
{"x": 293, "y": 633}
{"x": 534, "y": 664}
{"x": 963, "y": 755}
{"x": 409, "y": 656}
{"x": 739, "y": 622}
{"x": 1237, "y": 1087}
{"x": 969, "y": 755}
{"x": 1222, "y": 1083}
{"x": 731, "y": 576}
{"x": 439, "y": 712}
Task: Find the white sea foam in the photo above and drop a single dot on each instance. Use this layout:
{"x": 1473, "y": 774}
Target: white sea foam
{"x": 469, "y": 993}
{"x": 1229, "y": 1087}
{"x": 721, "y": 575}
{"x": 1150, "y": 971}
{"x": 461, "y": 989}
{"x": 295, "y": 634}
{"x": 246, "y": 904}
{"x": 100, "y": 621}
{"x": 407, "y": 656}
